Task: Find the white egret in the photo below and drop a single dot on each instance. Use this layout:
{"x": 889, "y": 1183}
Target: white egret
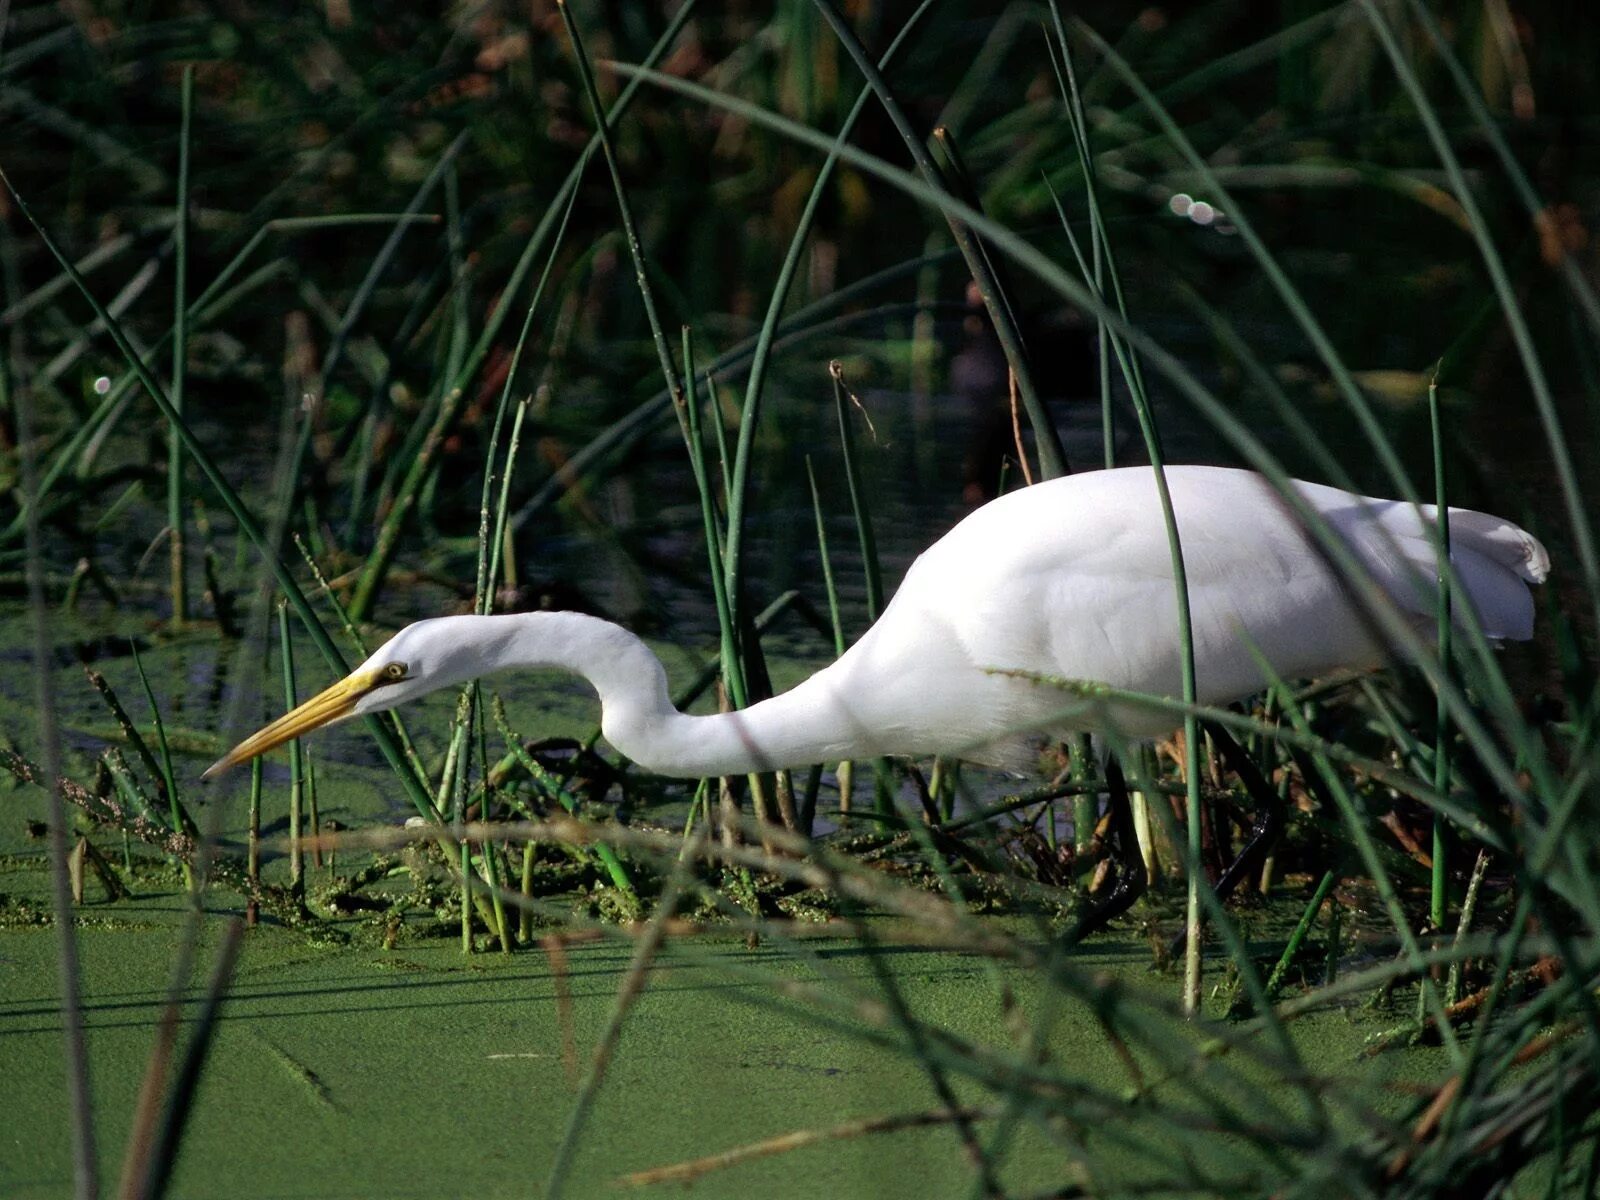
{"x": 1070, "y": 578}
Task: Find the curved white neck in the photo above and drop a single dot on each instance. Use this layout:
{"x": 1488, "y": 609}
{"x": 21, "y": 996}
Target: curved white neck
{"x": 800, "y": 727}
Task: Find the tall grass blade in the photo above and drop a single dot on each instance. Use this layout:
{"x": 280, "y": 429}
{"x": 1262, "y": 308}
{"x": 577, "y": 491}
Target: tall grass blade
{"x": 1439, "y": 888}
{"x": 1052, "y": 457}
{"x": 185, "y": 1084}
{"x": 762, "y": 348}
{"x": 456, "y": 390}
{"x": 241, "y": 513}
{"x": 177, "y": 542}
{"x": 80, "y": 1104}
{"x": 1557, "y": 443}
{"x": 633, "y": 984}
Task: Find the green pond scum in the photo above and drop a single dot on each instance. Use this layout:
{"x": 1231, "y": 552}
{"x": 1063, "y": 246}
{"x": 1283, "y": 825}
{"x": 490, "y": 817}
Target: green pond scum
{"x": 353, "y": 1071}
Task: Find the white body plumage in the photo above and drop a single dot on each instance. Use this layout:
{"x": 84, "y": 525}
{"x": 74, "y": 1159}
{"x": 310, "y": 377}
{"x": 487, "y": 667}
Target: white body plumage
{"x": 1070, "y": 578}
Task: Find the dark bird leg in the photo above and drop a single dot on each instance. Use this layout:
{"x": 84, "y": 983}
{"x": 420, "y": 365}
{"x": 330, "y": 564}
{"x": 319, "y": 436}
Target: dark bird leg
{"x": 1269, "y": 818}
{"x": 1128, "y": 884}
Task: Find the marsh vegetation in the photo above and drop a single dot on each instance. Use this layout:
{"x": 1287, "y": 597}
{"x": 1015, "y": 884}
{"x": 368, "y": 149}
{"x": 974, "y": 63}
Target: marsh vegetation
{"x": 315, "y": 325}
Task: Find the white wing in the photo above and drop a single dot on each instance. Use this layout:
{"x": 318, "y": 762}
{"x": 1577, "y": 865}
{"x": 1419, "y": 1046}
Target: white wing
{"x": 1073, "y": 578}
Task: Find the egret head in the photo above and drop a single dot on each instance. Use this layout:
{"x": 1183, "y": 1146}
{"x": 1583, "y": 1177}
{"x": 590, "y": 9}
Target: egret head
{"x": 421, "y": 658}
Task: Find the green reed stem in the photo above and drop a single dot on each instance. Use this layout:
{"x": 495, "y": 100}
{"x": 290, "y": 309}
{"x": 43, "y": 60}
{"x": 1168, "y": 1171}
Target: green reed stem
{"x": 687, "y": 404}
{"x": 297, "y": 865}
{"x": 387, "y": 541}
{"x": 180, "y": 350}
{"x": 827, "y": 563}
{"x": 1439, "y": 898}
{"x": 247, "y": 523}
{"x": 845, "y": 771}
{"x": 761, "y": 351}
{"x": 1469, "y": 907}
{"x": 205, "y": 306}
{"x": 1133, "y": 377}
{"x": 253, "y": 837}
{"x": 181, "y": 821}
{"x": 1559, "y": 446}
{"x": 552, "y": 787}
{"x": 624, "y": 209}
{"x": 644, "y": 955}
{"x": 1298, "y": 937}
{"x": 859, "y": 509}
{"x": 1052, "y": 457}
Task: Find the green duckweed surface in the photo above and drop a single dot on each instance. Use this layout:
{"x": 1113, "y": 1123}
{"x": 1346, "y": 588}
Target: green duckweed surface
{"x": 339, "y": 1071}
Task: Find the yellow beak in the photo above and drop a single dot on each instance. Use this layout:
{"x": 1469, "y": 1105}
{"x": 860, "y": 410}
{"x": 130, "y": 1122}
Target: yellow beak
{"x": 326, "y": 707}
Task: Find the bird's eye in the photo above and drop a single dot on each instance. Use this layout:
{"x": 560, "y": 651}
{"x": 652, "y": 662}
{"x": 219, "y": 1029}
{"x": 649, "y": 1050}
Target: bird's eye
{"x": 394, "y": 672}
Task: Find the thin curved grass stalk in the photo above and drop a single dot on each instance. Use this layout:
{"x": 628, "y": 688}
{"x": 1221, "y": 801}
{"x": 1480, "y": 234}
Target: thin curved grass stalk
{"x": 253, "y": 841}
{"x": 985, "y": 1182}
{"x": 181, "y": 821}
{"x": 178, "y": 573}
{"x": 1556, "y": 441}
{"x": 1295, "y": 1070}
{"x": 865, "y": 536}
{"x": 137, "y": 1151}
{"x": 140, "y": 746}
{"x": 882, "y": 773}
{"x": 297, "y": 866}
{"x": 124, "y": 299}
{"x": 642, "y": 420}
{"x": 359, "y": 643}
{"x": 762, "y": 347}
{"x": 456, "y": 389}
{"x": 489, "y": 547}
{"x": 845, "y": 771}
{"x": 729, "y": 658}
{"x": 1052, "y": 457}
{"x": 1290, "y": 295}
{"x": 1103, "y": 260}
{"x": 1151, "y": 1022}
{"x": 230, "y": 498}
{"x": 1068, "y": 83}
{"x": 734, "y": 669}
{"x": 131, "y": 790}
{"x": 489, "y": 572}
{"x": 1133, "y": 379}
{"x": 1571, "y": 272}
{"x": 689, "y": 416}
{"x": 214, "y": 298}
{"x": 1439, "y": 895}
{"x": 690, "y": 1170}
{"x": 1298, "y": 937}
{"x": 1532, "y": 869}
{"x": 804, "y": 325}
{"x": 624, "y": 210}
{"x": 1404, "y": 782}
{"x": 1469, "y": 908}
{"x": 1557, "y": 444}
{"x": 103, "y": 252}
{"x": 645, "y": 951}
{"x": 80, "y": 1103}
{"x": 180, "y": 1103}
{"x": 460, "y": 322}
{"x": 1319, "y": 768}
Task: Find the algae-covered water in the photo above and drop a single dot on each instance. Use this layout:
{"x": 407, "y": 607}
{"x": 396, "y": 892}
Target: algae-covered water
{"x": 356, "y": 1071}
